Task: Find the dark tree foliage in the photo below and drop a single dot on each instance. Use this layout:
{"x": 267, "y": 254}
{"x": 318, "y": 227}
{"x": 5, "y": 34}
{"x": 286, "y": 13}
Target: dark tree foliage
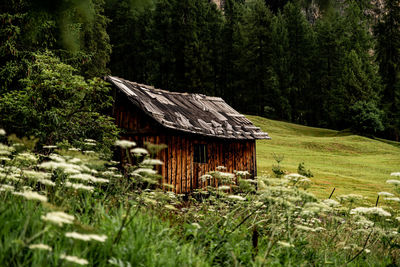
{"x": 299, "y": 56}
{"x": 74, "y": 30}
{"x": 310, "y": 62}
{"x": 256, "y": 61}
{"x": 387, "y": 32}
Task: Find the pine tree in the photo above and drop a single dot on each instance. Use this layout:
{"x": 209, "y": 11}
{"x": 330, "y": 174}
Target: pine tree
{"x": 261, "y": 81}
{"x": 327, "y": 86}
{"x": 300, "y": 49}
{"x": 130, "y": 34}
{"x": 280, "y": 62}
{"x": 184, "y": 34}
{"x": 387, "y": 32}
{"x": 232, "y": 44}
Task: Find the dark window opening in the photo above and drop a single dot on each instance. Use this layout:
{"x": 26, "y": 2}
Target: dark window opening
{"x": 200, "y": 153}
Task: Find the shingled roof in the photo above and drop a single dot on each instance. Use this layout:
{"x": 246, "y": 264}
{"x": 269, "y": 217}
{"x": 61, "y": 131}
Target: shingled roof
{"x": 192, "y": 113}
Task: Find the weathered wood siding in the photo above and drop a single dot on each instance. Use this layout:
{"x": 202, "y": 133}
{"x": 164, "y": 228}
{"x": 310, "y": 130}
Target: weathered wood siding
{"x": 179, "y": 169}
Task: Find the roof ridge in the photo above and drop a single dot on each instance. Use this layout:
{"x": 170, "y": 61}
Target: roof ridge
{"x": 151, "y": 87}
{"x": 189, "y": 112}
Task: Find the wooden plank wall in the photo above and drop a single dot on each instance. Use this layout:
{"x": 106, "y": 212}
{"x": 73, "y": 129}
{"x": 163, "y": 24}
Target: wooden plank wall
{"x": 179, "y": 169}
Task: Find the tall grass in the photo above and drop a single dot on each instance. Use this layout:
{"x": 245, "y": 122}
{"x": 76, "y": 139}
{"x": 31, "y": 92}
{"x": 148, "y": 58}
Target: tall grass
{"x": 125, "y": 219}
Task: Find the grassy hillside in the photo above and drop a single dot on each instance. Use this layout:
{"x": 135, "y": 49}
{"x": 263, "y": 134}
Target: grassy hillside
{"x": 351, "y": 163}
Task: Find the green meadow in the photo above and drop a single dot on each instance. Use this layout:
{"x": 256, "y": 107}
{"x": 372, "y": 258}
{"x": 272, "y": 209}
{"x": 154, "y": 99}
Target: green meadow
{"x": 341, "y": 160}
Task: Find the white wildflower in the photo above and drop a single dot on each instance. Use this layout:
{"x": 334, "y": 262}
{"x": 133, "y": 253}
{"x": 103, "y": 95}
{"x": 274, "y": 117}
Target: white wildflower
{"x": 5, "y": 152}
{"x": 113, "y": 162}
{"x": 71, "y": 171}
{"x": 90, "y": 144}
{"x": 364, "y": 222}
{"x": 125, "y": 143}
{"x": 242, "y": 173}
{"x": 89, "y": 152}
{"x": 90, "y": 140}
{"x": 304, "y": 180}
{"x": 36, "y": 175}
{"x": 74, "y": 149}
{"x": 56, "y": 157}
{"x": 74, "y": 259}
{"x": 113, "y": 168}
{"x": 152, "y": 162}
{"x": 331, "y": 202}
{"x": 294, "y": 176}
{"x": 6, "y": 187}
{"x": 395, "y": 174}
{"x": 86, "y": 237}
{"x": 236, "y": 197}
{"x": 40, "y": 247}
{"x": 6, "y": 148}
{"x": 49, "y": 147}
{"x": 304, "y": 228}
{"x": 350, "y": 197}
{"x": 59, "y": 165}
{"x": 398, "y": 219}
{"x": 393, "y": 199}
{"x": 224, "y": 187}
{"x": 46, "y": 182}
{"x": 170, "y": 207}
{"x": 226, "y": 175}
{"x": 373, "y": 210}
{"x": 196, "y": 225}
{"x": 58, "y": 217}
{"x": 312, "y": 208}
{"x": 88, "y": 177}
{"x": 11, "y": 176}
{"x": 108, "y": 173}
{"x": 31, "y": 195}
{"x": 12, "y": 169}
{"x": 74, "y": 160}
{"x": 27, "y": 157}
{"x": 139, "y": 151}
{"x": 150, "y": 201}
{"x": 205, "y": 177}
{"x": 4, "y": 159}
{"x": 395, "y": 182}
{"x": 385, "y": 194}
{"x": 143, "y": 170}
{"x": 2, "y": 132}
{"x": 118, "y": 175}
{"x": 367, "y": 250}
{"x": 86, "y": 168}
{"x": 285, "y": 244}
{"x": 79, "y": 186}
{"x": 220, "y": 168}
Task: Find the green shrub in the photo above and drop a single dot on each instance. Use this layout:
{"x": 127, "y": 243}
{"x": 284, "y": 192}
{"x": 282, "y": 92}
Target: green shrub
{"x": 366, "y": 118}
{"x": 301, "y": 169}
{"x": 57, "y": 105}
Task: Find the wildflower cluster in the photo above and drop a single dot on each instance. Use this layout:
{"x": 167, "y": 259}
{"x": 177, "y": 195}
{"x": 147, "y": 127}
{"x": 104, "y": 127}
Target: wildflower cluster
{"x": 51, "y": 180}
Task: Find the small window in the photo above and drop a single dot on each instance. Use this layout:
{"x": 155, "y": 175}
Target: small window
{"x": 200, "y": 153}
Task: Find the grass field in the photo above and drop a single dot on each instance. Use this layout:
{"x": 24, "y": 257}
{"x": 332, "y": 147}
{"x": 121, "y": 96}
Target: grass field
{"x": 347, "y": 162}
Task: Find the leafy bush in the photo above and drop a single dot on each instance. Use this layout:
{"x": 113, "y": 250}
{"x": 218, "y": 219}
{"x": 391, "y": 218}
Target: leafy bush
{"x": 57, "y": 105}
{"x": 277, "y": 169}
{"x": 301, "y": 169}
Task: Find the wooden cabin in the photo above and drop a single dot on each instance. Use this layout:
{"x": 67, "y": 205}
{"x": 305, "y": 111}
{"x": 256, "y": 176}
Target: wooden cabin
{"x": 201, "y": 132}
